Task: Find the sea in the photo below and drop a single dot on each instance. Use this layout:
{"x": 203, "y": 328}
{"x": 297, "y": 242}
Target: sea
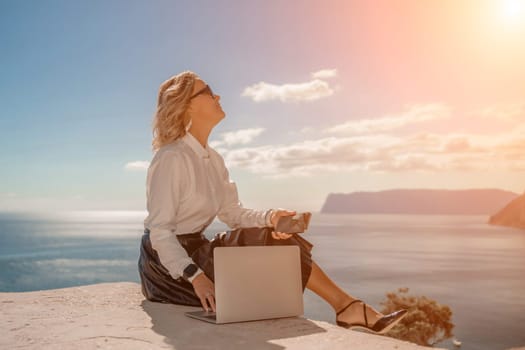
{"x": 476, "y": 269}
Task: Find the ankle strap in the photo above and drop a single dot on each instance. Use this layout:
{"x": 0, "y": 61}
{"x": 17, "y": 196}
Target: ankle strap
{"x": 347, "y": 306}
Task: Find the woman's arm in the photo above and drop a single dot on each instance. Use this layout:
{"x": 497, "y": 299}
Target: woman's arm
{"x": 165, "y": 175}
{"x": 232, "y": 212}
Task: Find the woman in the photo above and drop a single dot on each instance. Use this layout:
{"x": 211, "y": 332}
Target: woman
{"x": 188, "y": 185}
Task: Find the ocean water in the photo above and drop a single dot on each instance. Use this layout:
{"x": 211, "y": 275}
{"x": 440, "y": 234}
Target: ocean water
{"x": 460, "y": 261}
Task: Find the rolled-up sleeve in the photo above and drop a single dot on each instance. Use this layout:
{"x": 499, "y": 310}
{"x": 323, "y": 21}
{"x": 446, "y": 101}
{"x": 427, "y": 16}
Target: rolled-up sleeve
{"x": 164, "y": 192}
{"x": 231, "y": 211}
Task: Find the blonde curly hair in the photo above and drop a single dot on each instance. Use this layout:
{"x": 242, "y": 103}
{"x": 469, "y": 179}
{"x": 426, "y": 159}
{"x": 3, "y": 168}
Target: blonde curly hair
{"x": 171, "y": 117}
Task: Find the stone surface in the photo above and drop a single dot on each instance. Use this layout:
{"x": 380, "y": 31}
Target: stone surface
{"x": 117, "y": 316}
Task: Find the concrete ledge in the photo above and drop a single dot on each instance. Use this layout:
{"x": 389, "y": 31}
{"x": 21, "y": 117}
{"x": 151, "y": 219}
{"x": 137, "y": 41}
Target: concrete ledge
{"x": 116, "y": 316}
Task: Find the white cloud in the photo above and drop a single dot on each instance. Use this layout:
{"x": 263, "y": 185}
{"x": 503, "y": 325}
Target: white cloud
{"x": 415, "y": 114}
{"x": 243, "y": 136}
{"x": 307, "y": 91}
{"x": 324, "y": 74}
{"x": 382, "y": 153}
{"x": 306, "y": 129}
{"x": 355, "y": 147}
{"x": 138, "y": 165}
{"x": 310, "y": 90}
{"x": 404, "y": 163}
{"x": 304, "y": 158}
{"x": 508, "y": 112}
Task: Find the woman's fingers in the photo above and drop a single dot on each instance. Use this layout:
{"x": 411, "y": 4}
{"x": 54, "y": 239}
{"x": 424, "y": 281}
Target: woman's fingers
{"x": 281, "y": 235}
{"x": 204, "y": 303}
{"x": 211, "y": 298}
{"x": 208, "y": 298}
{"x": 277, "y": 213}
{"x": 285, "y": 235}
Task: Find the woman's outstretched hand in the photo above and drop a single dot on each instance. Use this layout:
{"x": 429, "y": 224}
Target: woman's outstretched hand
{"x": 205, "y": 290}
{"x": 276, "y": 214}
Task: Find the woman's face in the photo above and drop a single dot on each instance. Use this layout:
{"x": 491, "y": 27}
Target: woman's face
{"x": 205, "y": 108}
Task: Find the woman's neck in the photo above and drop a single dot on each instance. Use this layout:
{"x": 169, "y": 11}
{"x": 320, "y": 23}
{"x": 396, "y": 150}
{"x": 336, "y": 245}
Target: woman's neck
{"x": 201, "y": 135}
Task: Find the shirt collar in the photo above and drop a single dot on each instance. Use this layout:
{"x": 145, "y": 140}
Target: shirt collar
{"x": 196, "y": 146}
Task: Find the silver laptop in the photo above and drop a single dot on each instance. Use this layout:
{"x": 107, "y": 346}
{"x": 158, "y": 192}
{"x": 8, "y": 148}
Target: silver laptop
{"x": 255, "y": 283}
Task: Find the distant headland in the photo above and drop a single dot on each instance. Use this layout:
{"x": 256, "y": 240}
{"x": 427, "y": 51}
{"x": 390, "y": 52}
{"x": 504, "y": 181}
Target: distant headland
{"x": 421, "y": 201}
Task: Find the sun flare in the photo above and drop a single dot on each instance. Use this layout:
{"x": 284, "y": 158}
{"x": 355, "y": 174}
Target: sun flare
{"x": 512, "y": 11}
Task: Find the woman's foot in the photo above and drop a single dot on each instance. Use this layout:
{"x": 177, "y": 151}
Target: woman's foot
{"x": 377, "y": 325}
{"x": 354, "y": 314}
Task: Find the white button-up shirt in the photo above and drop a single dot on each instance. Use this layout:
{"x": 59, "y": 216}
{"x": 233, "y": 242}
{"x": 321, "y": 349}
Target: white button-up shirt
{"x": 187, "y": 186}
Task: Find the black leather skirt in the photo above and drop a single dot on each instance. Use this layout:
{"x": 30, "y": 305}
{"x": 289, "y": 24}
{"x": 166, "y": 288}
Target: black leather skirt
{"x": 158, "y": 285}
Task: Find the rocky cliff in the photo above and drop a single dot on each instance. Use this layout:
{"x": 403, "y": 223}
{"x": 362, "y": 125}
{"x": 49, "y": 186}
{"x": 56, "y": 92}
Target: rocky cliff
{"x": 513, "y": 214}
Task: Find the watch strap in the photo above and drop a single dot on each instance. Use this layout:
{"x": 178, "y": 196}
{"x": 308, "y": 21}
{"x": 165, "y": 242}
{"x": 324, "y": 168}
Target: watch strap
{"x": 198, "y": 272}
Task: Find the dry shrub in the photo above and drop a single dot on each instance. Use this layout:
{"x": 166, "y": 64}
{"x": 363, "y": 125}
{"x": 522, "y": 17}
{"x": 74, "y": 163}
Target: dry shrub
{"x": 426, "y": 323}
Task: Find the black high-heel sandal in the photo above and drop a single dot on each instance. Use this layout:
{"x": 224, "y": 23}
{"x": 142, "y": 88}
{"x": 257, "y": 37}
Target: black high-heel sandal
{"x": 383, "y": 325}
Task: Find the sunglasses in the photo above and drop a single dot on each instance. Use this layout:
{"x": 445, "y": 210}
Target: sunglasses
{"x": 206, "y": 89}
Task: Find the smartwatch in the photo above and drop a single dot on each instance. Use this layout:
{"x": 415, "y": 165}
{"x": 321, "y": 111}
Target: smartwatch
{"x": 189, "y": 271}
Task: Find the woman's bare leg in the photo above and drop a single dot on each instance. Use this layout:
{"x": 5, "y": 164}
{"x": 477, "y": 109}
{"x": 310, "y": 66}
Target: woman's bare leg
{"x": 323, "y": 286}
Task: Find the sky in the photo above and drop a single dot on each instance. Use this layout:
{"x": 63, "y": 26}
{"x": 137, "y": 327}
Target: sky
{"x": 320, "y": 97}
